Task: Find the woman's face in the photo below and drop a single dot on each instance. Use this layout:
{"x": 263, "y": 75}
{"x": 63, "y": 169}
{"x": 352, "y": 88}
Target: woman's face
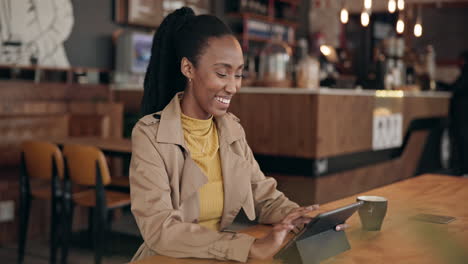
{"x": 215, "y": 79}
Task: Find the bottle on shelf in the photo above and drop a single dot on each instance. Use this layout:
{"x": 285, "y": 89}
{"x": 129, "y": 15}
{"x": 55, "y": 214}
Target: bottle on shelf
{"x": 308, "y": 68}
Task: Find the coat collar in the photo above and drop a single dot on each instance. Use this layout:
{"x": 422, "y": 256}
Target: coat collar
{"x": 170, "y": 125}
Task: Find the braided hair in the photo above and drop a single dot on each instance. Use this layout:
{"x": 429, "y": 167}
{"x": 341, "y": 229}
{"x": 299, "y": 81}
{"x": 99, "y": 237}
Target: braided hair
{"x": 181, "y": 34}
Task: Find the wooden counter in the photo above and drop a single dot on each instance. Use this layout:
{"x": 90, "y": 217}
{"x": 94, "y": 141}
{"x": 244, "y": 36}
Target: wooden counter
{"x": 320, "y": 123}
{"x": 293, "y": 129}
{"x": 401, "y": 240}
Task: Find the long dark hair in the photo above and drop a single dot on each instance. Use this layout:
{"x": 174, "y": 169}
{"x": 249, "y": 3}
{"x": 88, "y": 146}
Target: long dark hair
{"x": 181, "y": 34}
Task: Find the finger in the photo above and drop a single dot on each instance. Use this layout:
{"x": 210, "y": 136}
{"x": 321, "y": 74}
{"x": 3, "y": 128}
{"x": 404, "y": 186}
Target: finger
{"x": 313, "y": 207}
{"x": 305, "y": 208}
{"x": 341, "y": 227}
{"x": 302, "y": 221}
{"x": 300, "y": 212}
{"x": 293, "y": 218}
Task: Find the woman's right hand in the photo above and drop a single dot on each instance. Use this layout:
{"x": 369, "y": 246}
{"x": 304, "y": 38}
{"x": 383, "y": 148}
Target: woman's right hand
{"x": 267, "y": 246}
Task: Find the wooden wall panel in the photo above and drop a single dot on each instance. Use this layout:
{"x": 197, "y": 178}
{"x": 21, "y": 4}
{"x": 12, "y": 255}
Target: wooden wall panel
{"x": 32, "y": 108}
{"x": 276, "y": 124}
{"x": 423, "y": 107}
{"x": 113, "y": 110}
{"x": 130, "y": 99}
{"x": 28, "y": 91}
{"x": 17, "y": 128}
{"x": 344, "y": 124}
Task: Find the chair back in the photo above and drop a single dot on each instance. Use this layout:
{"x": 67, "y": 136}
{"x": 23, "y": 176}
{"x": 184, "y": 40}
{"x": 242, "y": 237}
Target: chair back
{"x": 38, "y": 159}
{"x": 81, "y": 165}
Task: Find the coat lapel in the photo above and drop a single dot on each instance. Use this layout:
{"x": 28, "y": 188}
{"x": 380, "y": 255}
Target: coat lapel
{"x": 192, "y": 178}
{"x": 170, "y": 131}
{"x": 236, "y": 173}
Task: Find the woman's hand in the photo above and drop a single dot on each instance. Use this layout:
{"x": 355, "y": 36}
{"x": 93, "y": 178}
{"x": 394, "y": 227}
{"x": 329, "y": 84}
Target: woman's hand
{"x": 267, "y": 246}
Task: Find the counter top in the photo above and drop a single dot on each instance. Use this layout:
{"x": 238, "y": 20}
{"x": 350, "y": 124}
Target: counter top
{"x": 322, "y": 91}
{"x": 337, "y": 91}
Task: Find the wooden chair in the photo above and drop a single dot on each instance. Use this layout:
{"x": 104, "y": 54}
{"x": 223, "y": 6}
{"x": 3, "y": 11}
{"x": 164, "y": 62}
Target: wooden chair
{"x": 98, "y": 125}
{"x": 86, "y": 166}
{"x": 42, "y": 161}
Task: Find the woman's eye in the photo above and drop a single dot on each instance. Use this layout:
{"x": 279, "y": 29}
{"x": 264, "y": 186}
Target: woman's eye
{"x": 238, "y": 76}
{"x": 221, "y": 75}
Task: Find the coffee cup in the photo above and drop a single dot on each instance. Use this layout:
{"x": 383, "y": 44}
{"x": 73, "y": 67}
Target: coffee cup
{"x": 372, "y": 212}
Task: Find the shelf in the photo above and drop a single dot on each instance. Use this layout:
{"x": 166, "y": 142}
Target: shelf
{"x": 291, "y": 2}
{"x": 54, "y": 74}
{"x": 260, "y": 39}
{"x": 248, "y": 15}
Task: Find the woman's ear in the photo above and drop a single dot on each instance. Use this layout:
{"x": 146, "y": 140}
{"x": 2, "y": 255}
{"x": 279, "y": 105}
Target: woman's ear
{"x": 187, "y": 68}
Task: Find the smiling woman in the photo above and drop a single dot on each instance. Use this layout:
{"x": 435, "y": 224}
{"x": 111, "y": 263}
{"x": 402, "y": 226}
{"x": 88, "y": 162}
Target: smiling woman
{"x": 192, "y": 171}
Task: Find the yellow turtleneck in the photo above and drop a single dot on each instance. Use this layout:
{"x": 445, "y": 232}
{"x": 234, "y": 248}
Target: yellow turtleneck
{"x": 201, "y": 138}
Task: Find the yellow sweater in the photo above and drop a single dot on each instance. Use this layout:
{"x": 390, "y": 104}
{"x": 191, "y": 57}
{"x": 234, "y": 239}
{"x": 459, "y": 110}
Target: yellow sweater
{"x": 201, "y": 138}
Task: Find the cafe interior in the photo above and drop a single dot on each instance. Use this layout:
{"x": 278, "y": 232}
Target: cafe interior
{"x": 341, "y": 101}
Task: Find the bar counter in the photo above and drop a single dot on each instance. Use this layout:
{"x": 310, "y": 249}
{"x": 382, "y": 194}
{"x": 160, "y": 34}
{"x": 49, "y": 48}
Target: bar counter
{"x": 318, "y": 143}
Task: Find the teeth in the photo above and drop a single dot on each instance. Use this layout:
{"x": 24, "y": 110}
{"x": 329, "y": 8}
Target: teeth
{"x": 223, "y": 100}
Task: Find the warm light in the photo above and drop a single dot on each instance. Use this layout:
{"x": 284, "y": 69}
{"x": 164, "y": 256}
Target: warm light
{"x": 389, "y": 93}
{"x": 400, "y": 26}
{"x": 325, "y": 50}
{"x": 365, "y": 18}
{"x": 367, "y": 4}
{"x": 418, "y": 30}
{"x": 401, "y": 4}
{"x": 391, "y": 6}
{"x": 344, "y": 16}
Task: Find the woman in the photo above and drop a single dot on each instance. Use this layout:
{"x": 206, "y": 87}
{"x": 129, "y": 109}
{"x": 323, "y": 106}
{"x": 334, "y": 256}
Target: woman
{"x": 192, "y": 171}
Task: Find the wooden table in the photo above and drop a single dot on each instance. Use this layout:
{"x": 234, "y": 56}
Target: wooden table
{"x": 111, "y": 146}
{"x": 401, "y": 239}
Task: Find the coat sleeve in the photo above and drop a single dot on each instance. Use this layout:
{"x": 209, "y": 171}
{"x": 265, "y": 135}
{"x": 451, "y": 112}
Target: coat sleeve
{"x": 161, "y": 225}
{"x": 271, "y": 205}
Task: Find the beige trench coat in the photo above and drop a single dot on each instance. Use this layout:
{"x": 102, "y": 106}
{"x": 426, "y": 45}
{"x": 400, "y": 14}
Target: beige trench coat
{"x": 164, "y": 183}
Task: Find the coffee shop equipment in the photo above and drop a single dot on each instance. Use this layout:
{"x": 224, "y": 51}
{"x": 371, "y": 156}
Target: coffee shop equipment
{"x": 275, "y": 64}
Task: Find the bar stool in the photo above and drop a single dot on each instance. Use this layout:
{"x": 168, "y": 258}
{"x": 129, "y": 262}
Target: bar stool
{"x": 42, "y": 161}
{"x": 86, "y": 166}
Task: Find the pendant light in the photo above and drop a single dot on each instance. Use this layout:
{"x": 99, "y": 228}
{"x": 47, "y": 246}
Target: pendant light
{"x": 401, "y": 5}
{"x": 392, "y": 6}
{"x": 365, "y": 18}
{"x": 418, "y": 30}
{"x": 400, "y": 25}
{"x": 344, "y": 15}
{"x": 368, "y": 4}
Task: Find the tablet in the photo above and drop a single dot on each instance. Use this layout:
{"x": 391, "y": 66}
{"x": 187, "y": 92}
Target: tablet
{"x": 321, "y": 223}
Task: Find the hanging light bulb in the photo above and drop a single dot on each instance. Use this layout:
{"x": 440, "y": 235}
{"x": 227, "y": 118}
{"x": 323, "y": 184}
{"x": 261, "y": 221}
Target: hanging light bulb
{"x": 367, "y": 4}
{"x": 418, "y": 30}
{"x": 401, "y": 4}
{"x": 365, "y": 19}
{"x": 400, "y": 26}
{"x": 344, "y": 16}
{"x": 391, "y": 6}
{"x": 325, "y": 50}
{"x": 418, "y": 26}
